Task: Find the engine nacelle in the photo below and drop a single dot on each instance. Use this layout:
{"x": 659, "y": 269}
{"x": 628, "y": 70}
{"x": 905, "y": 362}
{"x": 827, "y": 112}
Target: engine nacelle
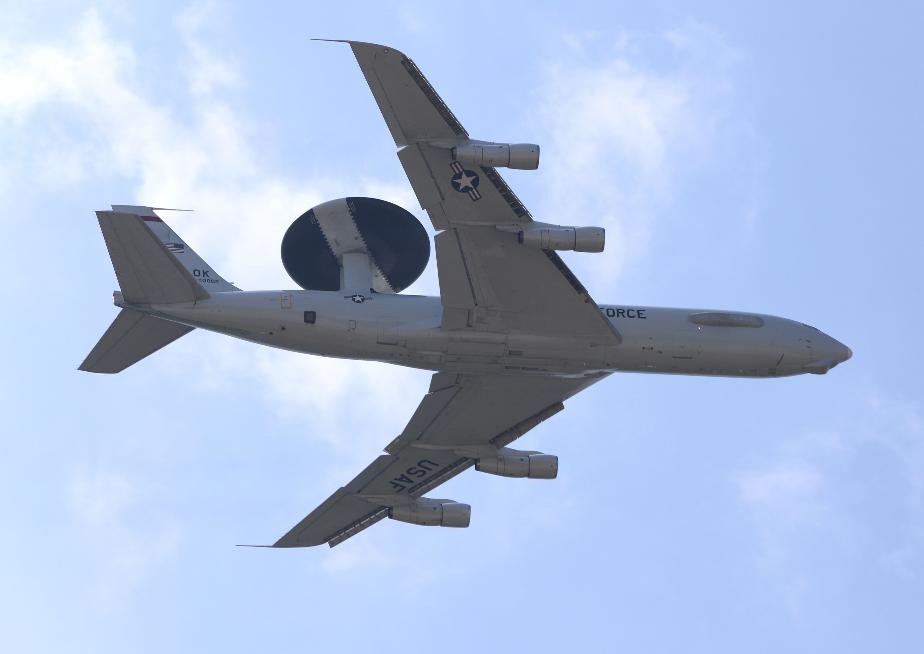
{"x": 523, "y": 156}
{"x": 512, "y": 463}
{"x": 432, "y": 513}
{"x": 554, "y": 237}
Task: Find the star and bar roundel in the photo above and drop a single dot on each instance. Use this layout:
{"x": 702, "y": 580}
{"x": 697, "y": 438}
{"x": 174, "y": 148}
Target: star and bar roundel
{"x": 465, "y": 181}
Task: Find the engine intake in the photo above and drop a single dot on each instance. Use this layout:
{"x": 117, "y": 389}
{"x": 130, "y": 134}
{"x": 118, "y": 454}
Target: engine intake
{"x": 513, "y": 463}
{"x": 522, "y": 156}
{"x": 555, "y": 237}
{"x": 432, "y": 513}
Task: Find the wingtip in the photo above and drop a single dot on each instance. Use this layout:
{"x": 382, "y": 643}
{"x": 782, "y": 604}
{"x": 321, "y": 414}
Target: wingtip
{"x": 245, "y": 545}
{"x": 353, "y": 43}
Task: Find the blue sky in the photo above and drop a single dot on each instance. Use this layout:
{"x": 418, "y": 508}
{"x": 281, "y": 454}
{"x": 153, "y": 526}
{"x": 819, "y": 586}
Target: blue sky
{"x": 755, "y": 157}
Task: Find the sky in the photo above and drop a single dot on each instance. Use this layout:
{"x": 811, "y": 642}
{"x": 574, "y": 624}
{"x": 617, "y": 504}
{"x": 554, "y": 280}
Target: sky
{"x": 752, "y": 156}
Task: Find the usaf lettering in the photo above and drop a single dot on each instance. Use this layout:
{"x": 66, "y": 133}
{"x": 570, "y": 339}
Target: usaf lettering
{"x": 624, "y": 313}
{"x": 413, "y": 474}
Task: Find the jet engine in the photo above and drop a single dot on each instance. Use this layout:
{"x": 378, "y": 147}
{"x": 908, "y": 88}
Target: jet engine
{"x": 556, "y": 237}
{"x": 432, "y": 513}
{"x": 513, "y": 463}
{"x": 523, "y": 156}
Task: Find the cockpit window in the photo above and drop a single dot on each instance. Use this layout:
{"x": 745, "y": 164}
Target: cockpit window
{"x": 722, "y": 319}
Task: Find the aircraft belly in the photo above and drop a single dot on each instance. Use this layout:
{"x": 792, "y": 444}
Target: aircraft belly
{"x": 407, "y": 331}
{"x": 667, "y": 341}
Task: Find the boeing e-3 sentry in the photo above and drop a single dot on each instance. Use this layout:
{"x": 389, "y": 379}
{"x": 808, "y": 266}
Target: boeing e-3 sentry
{"x": 512, "y": 335}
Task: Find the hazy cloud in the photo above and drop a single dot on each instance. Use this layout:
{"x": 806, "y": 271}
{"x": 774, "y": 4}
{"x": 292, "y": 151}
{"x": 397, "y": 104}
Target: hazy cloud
{"x": 621, "y": 134}
{"x": 129, "y": 541}
{"x": 84, "y": 100}
{"x": 810, "y": 501}
{"x": 780, "y": 487}
{"x": 203, "y": 162}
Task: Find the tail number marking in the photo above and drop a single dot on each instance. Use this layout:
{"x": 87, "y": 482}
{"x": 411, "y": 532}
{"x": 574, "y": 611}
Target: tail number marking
{"x": 203, "y": 275}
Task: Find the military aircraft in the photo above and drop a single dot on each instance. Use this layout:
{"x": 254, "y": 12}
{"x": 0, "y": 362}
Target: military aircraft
{"x": 512, "y": 335}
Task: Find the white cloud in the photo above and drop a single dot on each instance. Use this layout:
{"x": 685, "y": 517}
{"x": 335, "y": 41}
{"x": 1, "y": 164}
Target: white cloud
{"x": 411, "y": 18}
{"x": 622, "y": 134}
{"x": 203, "y": 162}
{"x": 788, "y": 510}
{"x": 780, "y": 487}
{"x": 810, "y": 500}
{"x": 126, "y": 550}
{"x": 98, "y": 499}
{"x": 104, "y": 122}
{"x": 207, "y": 72}
{"x": 92, "y": 116}
{"x": 362, "y": 553}
{"x": 899, "y": 428}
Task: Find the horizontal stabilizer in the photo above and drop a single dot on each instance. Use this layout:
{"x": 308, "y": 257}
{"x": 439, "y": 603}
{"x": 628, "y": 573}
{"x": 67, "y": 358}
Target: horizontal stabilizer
{"x": 147, "y": 272}
{"x": 131, "y": 337}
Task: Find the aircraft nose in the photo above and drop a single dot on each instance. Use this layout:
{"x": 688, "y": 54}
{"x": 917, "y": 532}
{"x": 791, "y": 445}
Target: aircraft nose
{"x": 831, "y": 354}
{"x": 844, "y": 352}
{"x": 837, "y": 352}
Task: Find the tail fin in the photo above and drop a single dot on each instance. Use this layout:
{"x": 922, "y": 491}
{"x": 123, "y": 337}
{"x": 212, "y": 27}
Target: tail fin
{"x": 131, "y": 337}
{"x": 211, "y": 281}
{"x": 147, "y": 272}
{"x": 153, "y": 266}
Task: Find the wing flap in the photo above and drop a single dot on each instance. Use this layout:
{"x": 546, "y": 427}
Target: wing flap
{"x": 431, "y": 407}
{"x": 527, "y": 289}
{"x": 424, "y": 183}
{"x": 455, "y": 283}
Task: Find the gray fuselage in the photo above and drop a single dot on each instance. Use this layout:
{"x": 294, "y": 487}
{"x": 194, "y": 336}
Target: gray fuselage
{"x": 406, "y": 330}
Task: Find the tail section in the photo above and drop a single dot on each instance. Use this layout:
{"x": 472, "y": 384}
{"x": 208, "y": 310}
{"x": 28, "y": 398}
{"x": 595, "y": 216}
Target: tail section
{"x": 131, "y": 337}
{"x": 211, "y": 281}
{"x": 147, "y": 272}
{"x": 153, "y": 266}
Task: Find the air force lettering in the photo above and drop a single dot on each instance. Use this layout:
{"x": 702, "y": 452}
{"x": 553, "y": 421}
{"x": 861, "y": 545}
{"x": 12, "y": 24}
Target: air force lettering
{"x": 465, "y": 181}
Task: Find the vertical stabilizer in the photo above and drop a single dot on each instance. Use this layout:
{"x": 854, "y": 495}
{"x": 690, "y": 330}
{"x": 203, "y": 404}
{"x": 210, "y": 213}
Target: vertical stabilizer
{"x": 204, "y": 274}
{"x": 147, "y": 272}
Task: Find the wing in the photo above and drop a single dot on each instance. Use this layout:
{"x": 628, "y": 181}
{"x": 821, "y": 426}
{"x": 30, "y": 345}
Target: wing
{"x": 460, "y": 414}
{"x": 488, "y": 280}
